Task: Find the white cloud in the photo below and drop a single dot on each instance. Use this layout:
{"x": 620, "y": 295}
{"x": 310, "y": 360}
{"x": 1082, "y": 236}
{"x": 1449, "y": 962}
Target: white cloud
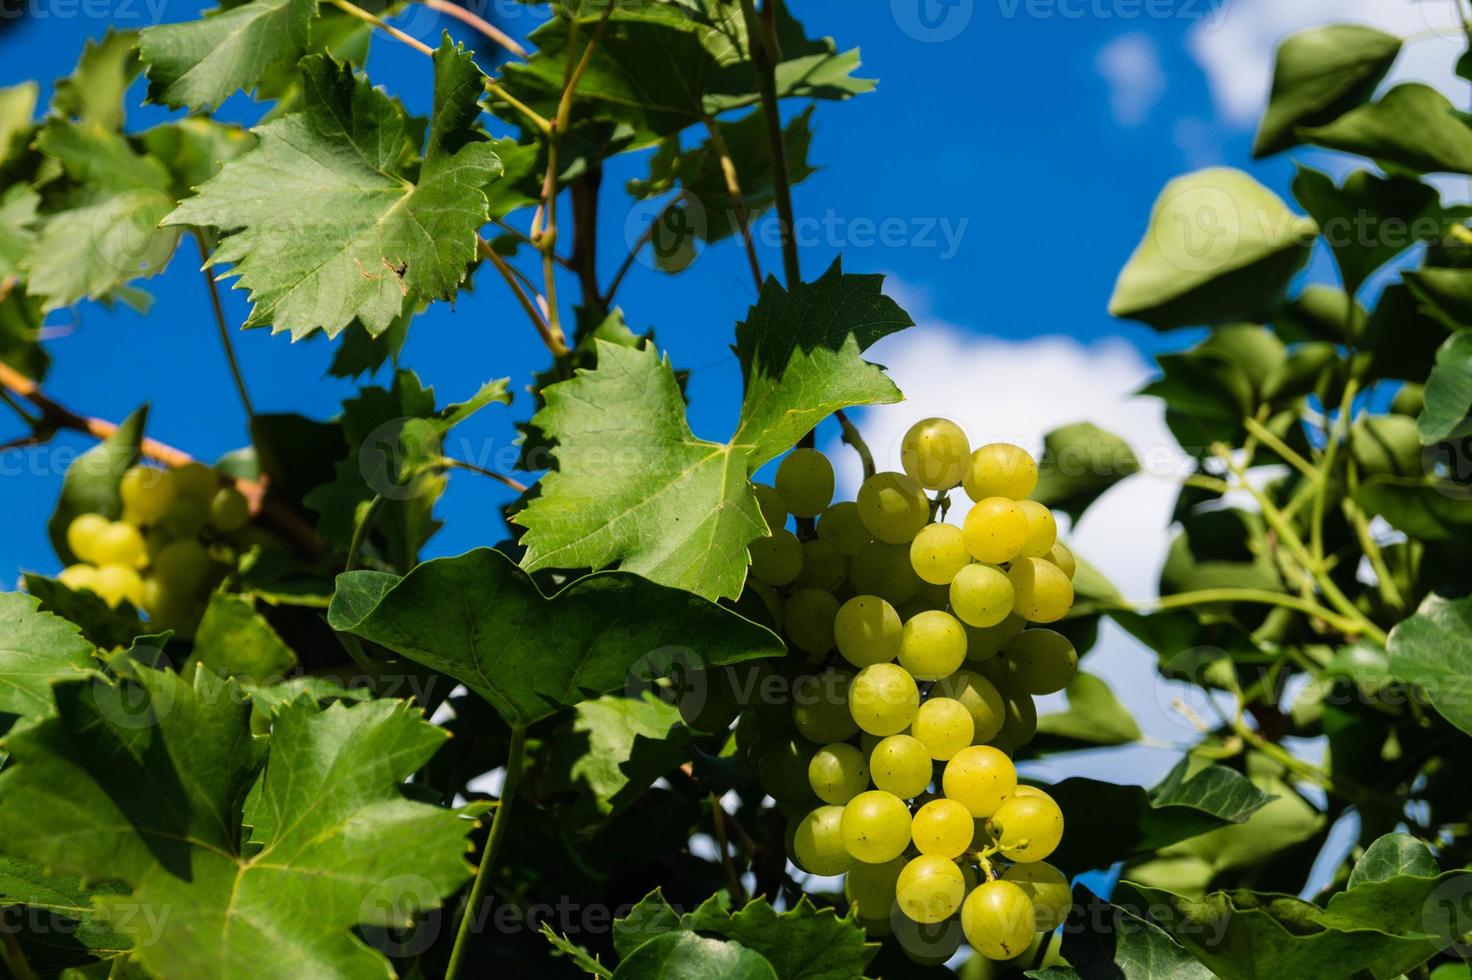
{"x": 1130, "y": 65}
{"x": 1236, "y": 48}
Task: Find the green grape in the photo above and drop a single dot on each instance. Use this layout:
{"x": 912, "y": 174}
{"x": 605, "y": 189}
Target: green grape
{"x": 773, "y": 507}
{"x": 838, "y": 773}
{"x": 871, "y": 887}
{"x": 82, "y": 535}
{"x": 818, "y": 846}
{"x": 186, "y": 518}
{"x": 183, "y": 565}
{"x": 1044, "y": 593}
{"x": 1021, "y": 721}
{"x": 900, "y": 764}
{"x": 1042, "y": 529}
{"x": 228, "y": 510}
{"x": 1027, "y": 828}
{"x": 1047, "y": 888}
{"x": 114, "y": 583}
{"x": 938, "y": 553}
{"x": 884, "y": 570}
{"x": 932, "y": 645}
{"x": 78, "y": 577}
{"x": 823, "y": 566}
{"x": 867, "y": 631}
{"x": 980, "y": 697}
{"x": 1000, "y": 470}
{"x": 929, "y": 944}
{"x": 893, "y": 507}
{"x": 820, "y": 706}
{"x": 147, "y": 492}
{"x": 808, "y": 619}
{"x": 707, "y": 701}
{"x": 1042, "y": 661}
{"x": 805, "y": 481}
{"x": 943, "y": 828}
{"x": 883, "y": 699}
{"x": 760, "y": 602}
{"x": 782, "y": 768}
{"x": 930, "y": 888}
{"x": 840, "y": 525}
{"x": 119, "y": 543}
{"x": 985, "y": 644}
{"x": 777, "y": 558}
{"x": 876, "y": 826}
{"x": 1061, "y": 556}
{"x": 943, "y": 726}
{"x": 196, "y": 481}
{"x": 980, "y": 777}
{"x": 982, "y": 596}
{"x": 998, "y": 919}
{"x": 935, "y": 453}
{"x": 995, "y": 530}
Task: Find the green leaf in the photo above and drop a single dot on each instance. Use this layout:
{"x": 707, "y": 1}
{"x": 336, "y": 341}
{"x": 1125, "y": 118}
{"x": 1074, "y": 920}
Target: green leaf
{"x": 1103, "y": 940}
{"x": 1413, "y": 127}
{"x": 1080, "y": 462}
{"x": 93, "y": 94}
{"x": 1220, "y": 248}
{"x": 1108, "y": 823}
{"x": 195, "y": 148}
{"x": 686, "y": 956}
{"x": 20, "y": 333}
{"x": 272, "y": 697}
{"x": 1391, "y": 856}
{"x": 1448, "y": 391}
{"x": 233, "y": 640}
{"x": 105, "y": 626}
{"x": 36, "y": 648}
{"x": 17, "y": 216}
{"x": 105, "y": 231}
{"x": 580, "y": 957}
{"x": 481, "y": 620}
{"x": 360, "y": 352}
{"x": 1094, "y": 718}
{"x": 802, "y": 943}
{"x": 801, "y": 357}
{"x": 17, "y": 108}
{"x": 1433, "y": 650}
{"x": 146, "y": 783}
{"x": 56, "y": 927}
{"x": 1322, "y": 73}
{"x": 1368, "y": 219}
{"x": 362, "y": 240}
{"x": 201, "y": 63}
{"x": 650, "y": 917}
{"x": 90, "y": 485}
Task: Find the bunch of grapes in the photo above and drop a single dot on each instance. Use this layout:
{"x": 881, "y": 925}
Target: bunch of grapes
{"x": 158, "y": 555}
{"x": 917, "y": 658}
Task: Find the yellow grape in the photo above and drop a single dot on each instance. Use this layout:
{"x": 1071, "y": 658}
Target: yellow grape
{"x": 838, "y": 773}
{"x": 1061, "y": 556}
{"x": 1043, "y": 662}
{"x": 998, "y": 919}
{"x": 932, "y": 645}
{"x": 777, "y": 558}
{"x": 986, "y": 643}
{"x": 78, "y": 577}
{"x": 930, "y": 889}
{"x": 1044, "y": 593}
{"x": 818, "y": 844}
{"x": 773, "y": 507}
{"x": 840, "y": 524}
{"x": 805, "y": 481}
{"x": 808, "y": 618}
{"x": 884, "y": 570}
{"x": 876, "y": 826}
{"x": 883, "y": 699}
{"x": 893, "y": 507}
{"x": 980, "y": 777}
{"x": 196, "y": 481}
{"x": 943, "y": 828}
{"x": 1027, "y": 828}
{"x": 935, "y": 453}
{"x": 980, "y": 697}
{"x": 83, "y": 533}
{"x": 995, "y": 530}
{"x": 982, "y": 596}
{"x": 186, "y": 518}
{"x": 820, "y": 706}
{"x": 867, "y": 631}
{"x": 120, "y": 543}
{"x": 943, "y": 726}
{"x": 114, "y": 583}
{"x": 871, "y": 887}
{"x": 228, "y": 510}
{"x": 900, "y": 764}
{"x": 938, "y": 553}
{"x": 1047, "y": 888}
{"x": 823, "y": 566}
{"x": 182, "y": 565}
{"x": 147, "y": 492}
{"x": 1000, "y": 470}
{"x": 1042, "y": 529}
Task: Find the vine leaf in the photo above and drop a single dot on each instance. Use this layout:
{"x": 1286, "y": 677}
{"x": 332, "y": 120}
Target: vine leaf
{"x": 1413, "y": 127}
{"x": 200, "y": 63}
{"x": 1103, "y": 940}
{"x": 1392, "y": 855}
{"x": 481, "y": 620}
{"x": 1320, "y": 74}
{"x": 17, "y": 216}
{"x": 1433, "y": 649}
{"x": 365, "y": 236}
{"x": 1094, "y": 717}
{"x": 57, "y": 928}
{"x": 1080, "y": 463}
{"x": 36, "y": 648}
{"x": 234, "y": 640}
{"x": 146, "y": 783}
{"x": 1448, "y": 390}
{"x": 93, "y": 93}
{"x": 105, "y": 626}
{"x": 684, "y": 954}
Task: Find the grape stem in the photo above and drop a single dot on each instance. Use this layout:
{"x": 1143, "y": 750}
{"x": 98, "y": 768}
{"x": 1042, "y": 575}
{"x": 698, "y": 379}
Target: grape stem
{"x": 515, "y": 763}
{"x": 554, "y": 340}
{"x": 224, "y": 329}
{"x": 761, "y": 29}
{"x": 471, "y": 19}
{"x": 738, "y": 199}
{"x": 1260, "y": 596}
{"x": 354, "y": 10}
{"x": 852, "y": 436}
{"x": 718, "y": 824}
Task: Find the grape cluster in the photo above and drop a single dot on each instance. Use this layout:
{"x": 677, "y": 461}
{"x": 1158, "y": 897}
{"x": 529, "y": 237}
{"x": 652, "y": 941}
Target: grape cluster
{"x": 918, "y": 661}
{"x": 158, "y": 555}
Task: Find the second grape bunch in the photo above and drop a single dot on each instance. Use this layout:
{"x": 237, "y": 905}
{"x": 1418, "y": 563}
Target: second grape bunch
{"x": 924, "y": 645}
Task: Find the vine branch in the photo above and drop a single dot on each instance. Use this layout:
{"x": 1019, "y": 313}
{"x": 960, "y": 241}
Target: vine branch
{"x": 224, "y": 329}
{"x": 765, "y": 54}
{"x": 485, "y": 27}
{"x": 738, "y": 199}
